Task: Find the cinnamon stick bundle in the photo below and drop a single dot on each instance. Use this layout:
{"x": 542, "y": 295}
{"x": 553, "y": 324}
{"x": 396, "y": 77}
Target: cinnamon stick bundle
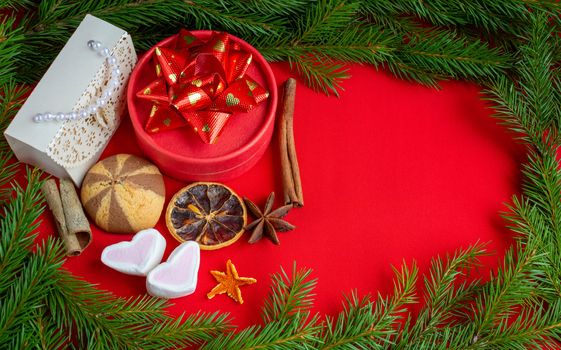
{"x": 71, "y": 222}
{"x": 291, "y": 181}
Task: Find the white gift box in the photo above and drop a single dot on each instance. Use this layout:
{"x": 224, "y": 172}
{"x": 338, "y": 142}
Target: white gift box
{"x": 76, "y": 79}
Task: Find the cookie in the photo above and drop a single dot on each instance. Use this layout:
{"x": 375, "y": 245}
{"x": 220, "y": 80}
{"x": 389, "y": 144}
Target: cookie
{"x": 123, "y": 194}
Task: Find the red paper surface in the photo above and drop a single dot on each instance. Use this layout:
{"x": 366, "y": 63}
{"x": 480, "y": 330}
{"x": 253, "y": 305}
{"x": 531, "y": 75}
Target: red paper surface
{"x": 391, "y": 171}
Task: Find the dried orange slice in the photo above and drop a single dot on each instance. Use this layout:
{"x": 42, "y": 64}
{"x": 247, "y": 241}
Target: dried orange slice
{"x": 209, "y": 213}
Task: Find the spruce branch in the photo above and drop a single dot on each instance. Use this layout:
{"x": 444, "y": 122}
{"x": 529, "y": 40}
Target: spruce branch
{"x": 17, "y": 223}
{"x": 535, "y": 327}
{"x": 285, "y": 9}
{"x": 536, "y": 77}
{"x": 39, "y": 332}
{"x": 208, "y": 14}
{"x": 289, "y": 295}
{"x": 46, "y": 33}
{"x": 532, "y": 225}
{"x": 288, "y": 323}
{"x": 356, "y": 326}
{"x": 102, "y": 320}
{"x": 512, "y": 285}
{"x": 489, "y": 16}
{"x": 45, "y": 333}
{"x": 364, "y": 45}
{"x": 323, "y": 19}
{"x": 543, "y": 180}
{"x": 447, "y": 288}
{"x": 24, "y": 295}
{"x": 367, "y": 324}
{"x": 321, "y": 76}
{"x": 448, "y": 54}
{"x": 446, "y": 293}
{"x": 11, "y": 98}
{"x": 296, "y": 333}
{"x": 519, "y": 307}
{"x": 326, "y": 32}
{"x": 16, "y": 4}
{"x": 512, "y": 111}
{"x": 441, "y": 292}
{"x": 11, "y": 37}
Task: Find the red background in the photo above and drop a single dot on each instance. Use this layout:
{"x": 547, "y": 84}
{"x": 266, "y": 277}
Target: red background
{"x": 391, "y": 171}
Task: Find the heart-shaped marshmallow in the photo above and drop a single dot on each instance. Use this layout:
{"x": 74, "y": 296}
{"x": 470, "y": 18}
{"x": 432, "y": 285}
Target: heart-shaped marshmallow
{"x": 137, "y": 257}
{"x": 177, "y": 277}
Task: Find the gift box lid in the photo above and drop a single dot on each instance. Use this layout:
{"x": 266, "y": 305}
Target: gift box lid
{"x": 65, "y": 83}
{"x": 180, "y": 153}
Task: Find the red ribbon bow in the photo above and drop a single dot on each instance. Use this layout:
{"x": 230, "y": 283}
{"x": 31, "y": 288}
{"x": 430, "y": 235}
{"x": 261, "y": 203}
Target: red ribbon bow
{"x": 201, "y": 84}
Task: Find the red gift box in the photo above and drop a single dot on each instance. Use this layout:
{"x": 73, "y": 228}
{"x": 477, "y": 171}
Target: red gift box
{"x": 180, "y": 153}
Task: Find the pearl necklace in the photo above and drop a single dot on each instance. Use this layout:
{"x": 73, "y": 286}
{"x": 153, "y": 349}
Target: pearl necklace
{"x": 98, "y": 104}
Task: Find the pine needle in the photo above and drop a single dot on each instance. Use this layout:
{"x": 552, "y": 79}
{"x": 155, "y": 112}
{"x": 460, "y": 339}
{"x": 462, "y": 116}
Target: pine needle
{"x": 517, "y": 60}
{"x": 289, "y": 295}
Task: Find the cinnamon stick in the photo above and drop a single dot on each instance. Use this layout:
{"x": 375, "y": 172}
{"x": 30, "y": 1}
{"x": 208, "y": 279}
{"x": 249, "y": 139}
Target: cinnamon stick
{"x": 291, "y": 181}
{"x": 52, "y": 195}
{"x": 77, "y": 223}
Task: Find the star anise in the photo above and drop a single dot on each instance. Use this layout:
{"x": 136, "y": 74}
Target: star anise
{"x": 268, "y": 221}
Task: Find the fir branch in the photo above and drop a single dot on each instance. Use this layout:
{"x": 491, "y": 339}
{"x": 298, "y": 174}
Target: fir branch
{"x": 208, "y": 14}
{"x": 104, "y": 321}
{"x": 327, "y": 31}
{"x": 543, "y": 180}
{"x": 295, "y": 333}
{"x": 285, "y": 9}
{"x": 446, "y": 293}
{"x": 531, "y": 105}
{"x": 196, "y": 328}
{"x": 445, "y": 287}
{"x": 448, "y": 54}
{"x": 512, "y": 285}
{"x": 11, "y": 99}
{"x": 46, "y": 33}
{"x": 323, "y": 19}
{"x": 324, "y": 76}
{"x": 17, "y": 223}
{"x": 289, "y": 295}
{"x": 45, "y": 333}
{"x": 288, "y": 324}
{"x": 25, "y": 293}
{"x": 8, "y": 171}
{"x": 357, "y": 326}
{"x": 16, "y": 4}
{"x": 536, "y": 78}
{"x": 11, "y": 37}
{"x": 367, "y": 324}
{"x": 519, "y": 307}
{"x": 488, "y": 15}
{"x": 62, "y": 14}
{"x": 536, "y": 327}
{"x": 532, "y": 225}
{"x": 511, "y": 109}
{"x": 318, "y": 63}
{"x": 365, "y": 45}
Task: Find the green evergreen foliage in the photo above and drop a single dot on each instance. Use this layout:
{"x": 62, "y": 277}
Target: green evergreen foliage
{"x": 317, "y": 37}
{"x": 512, "y": 48}
{"x": 43, "y": 306}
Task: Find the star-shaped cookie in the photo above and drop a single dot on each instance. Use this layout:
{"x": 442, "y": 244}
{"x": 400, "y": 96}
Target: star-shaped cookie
{"x": 229, "y": 282}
